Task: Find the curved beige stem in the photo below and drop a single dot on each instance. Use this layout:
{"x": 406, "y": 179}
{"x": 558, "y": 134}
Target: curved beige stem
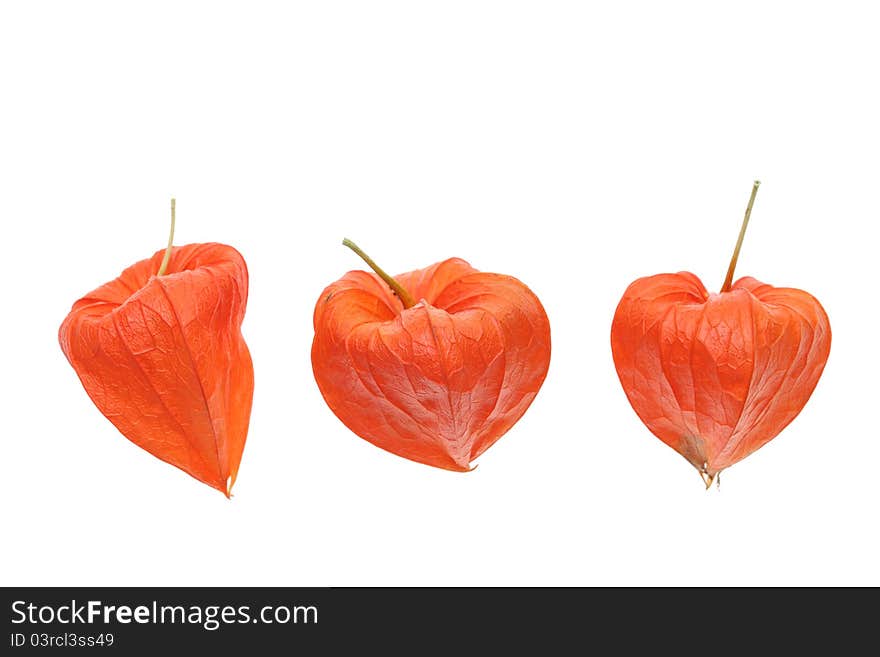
{"x": 164, "y": 266}
{"x": 396, "y": 287}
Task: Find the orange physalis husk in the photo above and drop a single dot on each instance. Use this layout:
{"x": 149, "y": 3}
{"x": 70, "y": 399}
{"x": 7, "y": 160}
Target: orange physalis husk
{"x": 717, "y": 376}
{"x": 437, "y": 382}
{"x": 163, "y": 358}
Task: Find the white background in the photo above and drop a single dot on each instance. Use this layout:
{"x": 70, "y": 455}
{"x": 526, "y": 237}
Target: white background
{"x": 574, "y": 146}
